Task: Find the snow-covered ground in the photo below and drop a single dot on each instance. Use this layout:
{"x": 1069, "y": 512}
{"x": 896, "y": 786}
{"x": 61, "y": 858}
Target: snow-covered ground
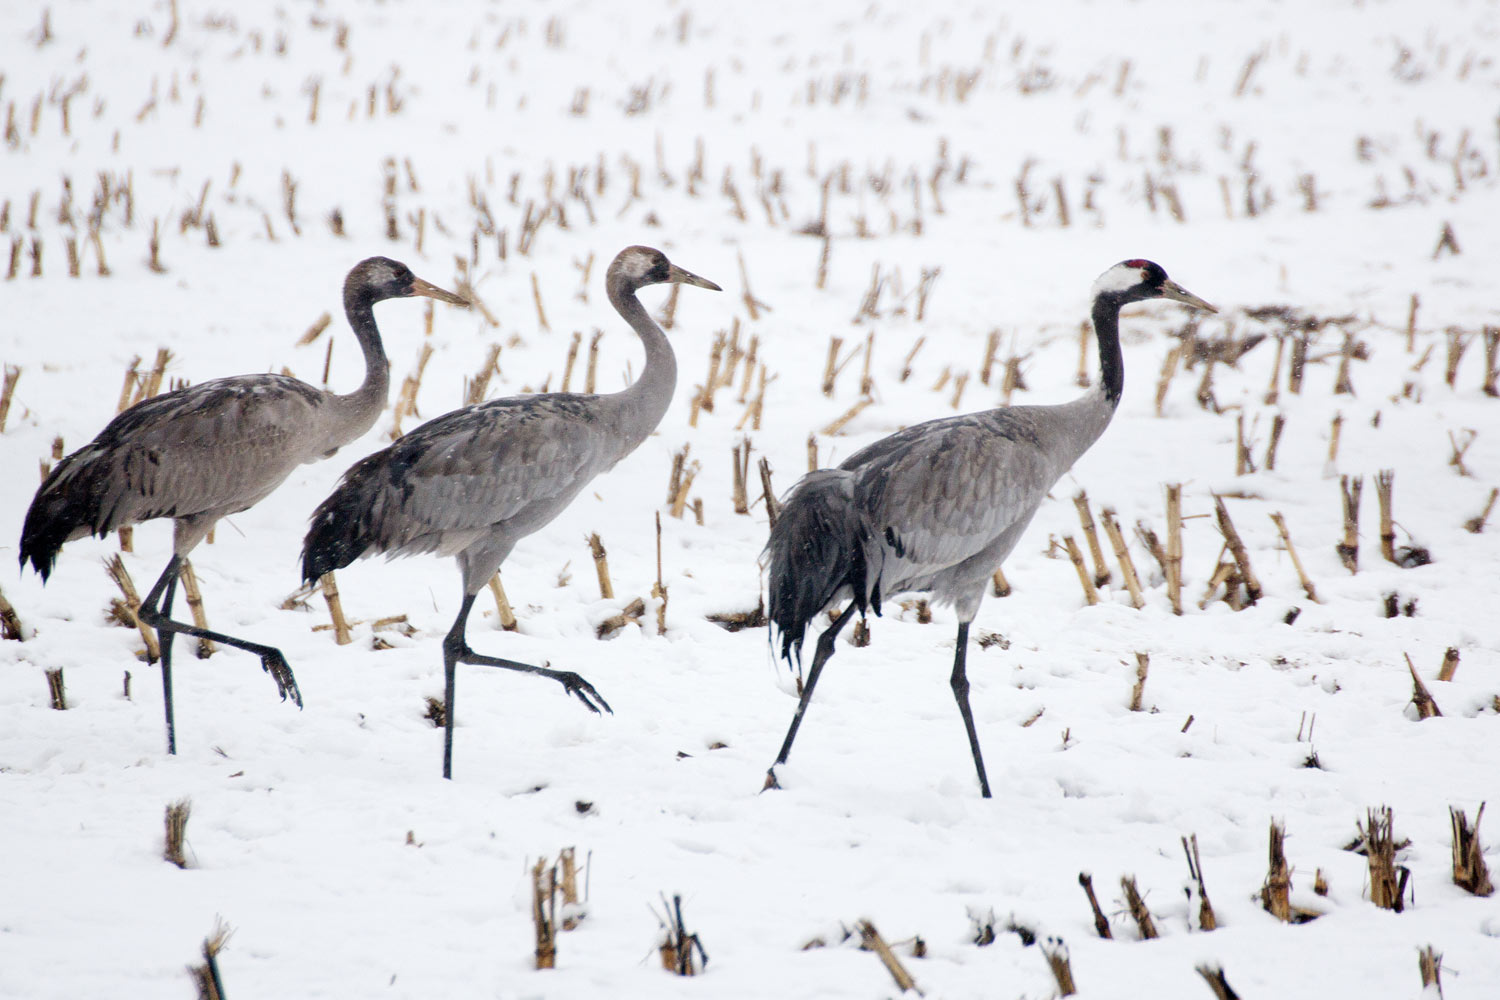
{"x": 1300, "y": 156}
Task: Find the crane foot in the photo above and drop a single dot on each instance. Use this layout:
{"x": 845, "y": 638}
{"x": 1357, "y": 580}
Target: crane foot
{"x": 771, "y": 781}
{"x": 274, "y": 663}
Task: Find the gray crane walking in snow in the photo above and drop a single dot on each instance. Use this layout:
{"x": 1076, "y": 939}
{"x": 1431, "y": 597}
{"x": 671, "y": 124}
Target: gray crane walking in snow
{"x": 209, "y": 450}
{"x": 938, "y": 506}
{"x": 473, "y": 482}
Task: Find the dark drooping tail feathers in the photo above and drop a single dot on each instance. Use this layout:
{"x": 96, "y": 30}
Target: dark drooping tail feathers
{"x": 344, "y": 527}
{"x": 819, "y": 547}
{"x": 78, "y": 498}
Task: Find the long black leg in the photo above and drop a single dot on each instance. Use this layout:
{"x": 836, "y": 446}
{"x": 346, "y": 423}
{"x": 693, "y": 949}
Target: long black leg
{"x": 960, "y": 682}
{"x": 456, "y": 650}
{"x": 164, "y": 639}
{"x": 271, "y": 658}
{"x": 820, "y": 657}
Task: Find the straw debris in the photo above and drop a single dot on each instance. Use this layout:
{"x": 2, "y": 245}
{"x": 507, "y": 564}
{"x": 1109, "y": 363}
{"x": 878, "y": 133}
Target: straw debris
{"x": 734, "y": 621}
{"x": 601, "y": 567}
{"x": 1214, "y": 976}
{"x": 10, "y": 622}
{"x": 630, "y": 614}
{"x": 1086, "y": 519}
{"x": 176, "y": 827}
{"x": 1142, "y": 667}
{"x": 1137, "y": 907}
{"x": 128, "y": 609}
{"x": 544, "y": 913}
{"x": 1101, "y": 922}
{"x": 502, "y": 605}
{"x": 1207, "y": 921}
{"x": 870, "y": 940}
{"x": 1089, "y": 593}
{"x": 56, "y": 693}
{"x": 1348, "y": 549}
{"x": 1056, "y": 953}
{"x": 1388, "y": 880}
{"x": 1172, "y": 564}
{"x": 678, "y": 946}
{"x": 206, "y": 977}
{"x": 1426, "y": 707}
{"x": 193, "y": 594}
{"x": 1470, "y": 872}
{"x": 1275, "y": 892}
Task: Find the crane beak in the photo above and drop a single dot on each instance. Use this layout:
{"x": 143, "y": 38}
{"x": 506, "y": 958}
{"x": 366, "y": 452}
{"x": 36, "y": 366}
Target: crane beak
{"x": 1172, "y": 290}
{"x": 431, "y": 291}
{"x": 677, "y": 275}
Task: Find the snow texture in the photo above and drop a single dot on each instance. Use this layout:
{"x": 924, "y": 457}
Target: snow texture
{"x": 1295, "y": 166}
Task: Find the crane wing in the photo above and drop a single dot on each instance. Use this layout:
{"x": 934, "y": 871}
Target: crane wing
{"x": 216, "y": 447}
{"x": 941, "y": 492}
{"x": 516, "y": 461}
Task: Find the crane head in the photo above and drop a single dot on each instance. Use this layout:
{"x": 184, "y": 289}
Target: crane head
{"x": 641, "y": 266}
{"x": 379, "y": 278}
{"x": 1137, "y": 280}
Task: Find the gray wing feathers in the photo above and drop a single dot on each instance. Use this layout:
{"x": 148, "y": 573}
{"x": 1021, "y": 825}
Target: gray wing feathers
{"x": 449, "y": 483}
{"x": 214, "y": 448}
{"x": 942, "y": 492}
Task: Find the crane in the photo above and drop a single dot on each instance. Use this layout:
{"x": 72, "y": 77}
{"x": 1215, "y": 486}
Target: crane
{"x": 202, "y": 452}
{"x": 473, "y": 482}
{"x": 937, "y": 507}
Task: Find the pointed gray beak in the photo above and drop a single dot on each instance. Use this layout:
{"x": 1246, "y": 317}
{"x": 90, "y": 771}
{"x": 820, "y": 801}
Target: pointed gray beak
{"x": 431, "y": 291}
{"x": 677, "y": 275}
{"x": 1172, "y": 290}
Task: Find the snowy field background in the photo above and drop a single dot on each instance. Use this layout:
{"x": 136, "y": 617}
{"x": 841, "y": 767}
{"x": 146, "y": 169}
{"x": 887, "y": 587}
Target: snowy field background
{"x": 1267, "y": 155}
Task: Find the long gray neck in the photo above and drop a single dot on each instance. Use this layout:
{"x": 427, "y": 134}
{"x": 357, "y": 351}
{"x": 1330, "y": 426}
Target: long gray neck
{"x": 1081, "y": 422}
{"x": 356, "y": 412}
{"x": 642, "y": 404}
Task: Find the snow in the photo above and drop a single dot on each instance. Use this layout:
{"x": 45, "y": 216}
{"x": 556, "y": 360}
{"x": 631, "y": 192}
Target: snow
{"x": 326, "y": 839}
